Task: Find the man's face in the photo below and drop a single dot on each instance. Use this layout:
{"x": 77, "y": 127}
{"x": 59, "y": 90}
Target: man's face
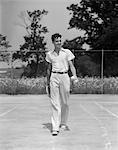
{"x": 57, "y": 42}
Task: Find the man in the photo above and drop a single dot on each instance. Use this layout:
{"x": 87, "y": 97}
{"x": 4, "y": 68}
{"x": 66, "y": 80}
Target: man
{"x": 59, "y": 60}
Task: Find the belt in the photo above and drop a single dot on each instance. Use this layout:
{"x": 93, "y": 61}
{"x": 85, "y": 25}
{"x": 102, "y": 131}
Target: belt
{"x": 60, "y": 72}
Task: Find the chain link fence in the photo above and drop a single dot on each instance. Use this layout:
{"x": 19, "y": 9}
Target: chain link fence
{"x": 14, "y": 68}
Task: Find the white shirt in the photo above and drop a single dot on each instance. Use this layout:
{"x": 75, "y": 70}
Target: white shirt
{"x": 59, "y": 62}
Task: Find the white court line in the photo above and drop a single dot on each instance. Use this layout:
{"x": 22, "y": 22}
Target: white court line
{"x": 8, "y": 111}
{"x": 109, "y": 102}
{"x": 107, "y": 110}
{"x": 103, "y": 128}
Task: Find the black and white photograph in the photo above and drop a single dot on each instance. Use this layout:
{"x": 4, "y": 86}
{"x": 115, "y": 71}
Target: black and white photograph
{"x": 58, "y": 74}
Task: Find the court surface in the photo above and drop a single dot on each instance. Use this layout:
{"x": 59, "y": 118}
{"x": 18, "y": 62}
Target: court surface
{"x": 25, "y": 123}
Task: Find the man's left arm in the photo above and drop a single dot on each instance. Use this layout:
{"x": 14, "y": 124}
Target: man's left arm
{"x": 72, "y": 68}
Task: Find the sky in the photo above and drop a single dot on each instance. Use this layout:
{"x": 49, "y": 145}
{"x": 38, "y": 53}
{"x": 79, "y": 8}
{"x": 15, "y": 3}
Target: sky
{"x": 57, "y": 19}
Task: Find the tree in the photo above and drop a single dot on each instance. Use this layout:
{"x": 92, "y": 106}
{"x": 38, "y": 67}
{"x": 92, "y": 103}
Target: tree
{"x": 74, "y": 44}
{"x": 34, "y": 40}
{"x": 98, "y": 19}
{"x": 4, "y": 49}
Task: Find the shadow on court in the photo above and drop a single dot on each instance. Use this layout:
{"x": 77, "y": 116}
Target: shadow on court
{"x": 47, "y": 126}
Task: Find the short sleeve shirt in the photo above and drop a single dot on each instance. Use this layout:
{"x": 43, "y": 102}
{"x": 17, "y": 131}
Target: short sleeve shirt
{"x": 59, "y": 62}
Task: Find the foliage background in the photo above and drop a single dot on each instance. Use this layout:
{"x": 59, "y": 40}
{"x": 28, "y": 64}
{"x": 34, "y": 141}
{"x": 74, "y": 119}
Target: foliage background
{"x": 98, "y": 21}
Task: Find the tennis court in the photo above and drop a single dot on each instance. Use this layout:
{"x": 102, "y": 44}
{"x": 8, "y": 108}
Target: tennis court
{"x": 25, "y": 123}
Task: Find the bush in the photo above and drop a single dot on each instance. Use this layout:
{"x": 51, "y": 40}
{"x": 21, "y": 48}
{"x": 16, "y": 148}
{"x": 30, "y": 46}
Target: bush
{"x": 87, "y": 85}
{"x": 22, "y": 86}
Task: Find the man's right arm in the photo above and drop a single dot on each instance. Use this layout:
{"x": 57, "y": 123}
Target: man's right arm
{"x": 49, "y": 68}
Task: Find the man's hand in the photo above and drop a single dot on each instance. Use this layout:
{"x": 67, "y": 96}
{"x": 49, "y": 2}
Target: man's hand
{"x": 48, "y": 82}
{"x": 48, "y": 90}
{"x": 74, "y": 79}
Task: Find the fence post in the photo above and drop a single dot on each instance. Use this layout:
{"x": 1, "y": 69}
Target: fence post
{"x": 102, "y": 71}
{"x": 11, "y": 64}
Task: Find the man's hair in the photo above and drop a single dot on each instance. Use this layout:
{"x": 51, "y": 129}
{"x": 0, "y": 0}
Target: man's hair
{"x": 55, "y": 36}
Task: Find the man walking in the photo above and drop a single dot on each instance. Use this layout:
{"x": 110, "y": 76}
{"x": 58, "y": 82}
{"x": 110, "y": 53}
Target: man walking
{"x": 59, "y": 60}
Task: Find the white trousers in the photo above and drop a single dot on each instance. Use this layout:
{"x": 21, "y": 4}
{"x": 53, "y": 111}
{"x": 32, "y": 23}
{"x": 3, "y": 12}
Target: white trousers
{"x": 60, "y": 91}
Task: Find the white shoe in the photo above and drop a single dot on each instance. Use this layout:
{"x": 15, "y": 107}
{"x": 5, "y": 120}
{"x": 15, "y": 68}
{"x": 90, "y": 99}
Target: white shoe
{"x": 55, "y": 133}
{"x": 64, "y": 127}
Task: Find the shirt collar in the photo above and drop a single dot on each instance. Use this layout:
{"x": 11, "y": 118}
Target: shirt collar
{"x": 62, "y": 49}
